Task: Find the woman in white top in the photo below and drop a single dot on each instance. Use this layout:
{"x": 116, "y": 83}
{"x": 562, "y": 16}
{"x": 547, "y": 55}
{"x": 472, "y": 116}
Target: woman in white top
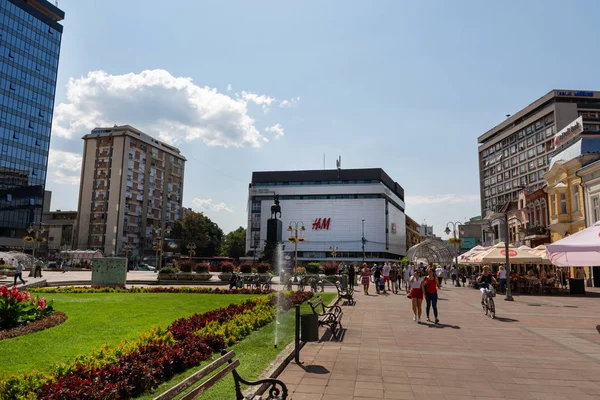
{"x": 416, "y": 295}
{"x": 502, "y": 277}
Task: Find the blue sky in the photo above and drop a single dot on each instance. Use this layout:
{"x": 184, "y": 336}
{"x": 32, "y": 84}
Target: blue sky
{"x": 405, "y": 86}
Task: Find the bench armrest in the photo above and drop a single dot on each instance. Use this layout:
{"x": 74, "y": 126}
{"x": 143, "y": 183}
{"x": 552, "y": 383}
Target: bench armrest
{"x": 276, "y": 388}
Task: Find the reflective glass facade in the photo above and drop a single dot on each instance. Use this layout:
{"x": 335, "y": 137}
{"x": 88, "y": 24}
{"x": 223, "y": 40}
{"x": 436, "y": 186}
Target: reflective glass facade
{"x": 30, "y": 40}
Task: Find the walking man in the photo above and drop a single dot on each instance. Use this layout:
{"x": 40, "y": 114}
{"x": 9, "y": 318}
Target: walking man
{"x": 19, "y": 273}
{"x": 394, "y": 275}
{"x": 386, "y": 274}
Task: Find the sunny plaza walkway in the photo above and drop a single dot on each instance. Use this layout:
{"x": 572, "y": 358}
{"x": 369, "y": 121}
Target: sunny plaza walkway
{"x": 538, "y": 348}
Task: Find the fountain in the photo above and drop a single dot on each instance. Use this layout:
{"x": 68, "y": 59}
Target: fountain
{"x": 278, "y": 266}
{"x": 26, "y": 259}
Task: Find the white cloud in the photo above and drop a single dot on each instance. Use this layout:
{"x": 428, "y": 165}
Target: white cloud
{"x": 229, "y": 87}
{"x": 276, "y": 130}
{"x": 260, "y": 99}
{"x": 207, "y": 204}
{"x": 172, "y": 108}
{"x": 289, "y": 103}
{"x": 414, "y": 201}
{"x": 64, "y": 167}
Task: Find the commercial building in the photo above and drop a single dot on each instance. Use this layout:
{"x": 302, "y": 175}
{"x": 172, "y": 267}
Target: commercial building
{"x": 131, "y": 190}
{"x": 413, "y": 234}
{"x": 536, "y": 231}
{"x": 30, "y": 36}
{"x": 335, "y": 207}
{"x": 590, "y": 181}
{"x": 516, "y": 153}
{"x": 60, "y": 231}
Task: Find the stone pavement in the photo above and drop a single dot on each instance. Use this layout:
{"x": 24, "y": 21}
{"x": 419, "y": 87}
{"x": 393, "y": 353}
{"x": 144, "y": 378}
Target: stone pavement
{"x": 537, "y": 348}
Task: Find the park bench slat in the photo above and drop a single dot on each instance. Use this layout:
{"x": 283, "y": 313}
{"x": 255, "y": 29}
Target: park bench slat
{"x": 211, "y": 381}
{"x": 195, "y": 377}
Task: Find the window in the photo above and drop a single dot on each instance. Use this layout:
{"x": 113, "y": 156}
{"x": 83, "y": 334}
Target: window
{"x": 532, "y": 177}
{"x": 538, "y": 125}
{"x": 541, "y": 174}
{"x": 531, "y": 165}
{"x": 530, "y": 153}
{"x": 563, "y": 203}
{"x": 575, "y": 199}
{"x": 521, "y": 134}
{"x": 541, "y": 161}
{"x": 513, "y": 161}
{"x": 553, "y": 205}
{"x": 549, "y": 131}
{"x": 529, "y": 129}
{"x": 549, "y": 119}
{"x": 596, "y": 208}
{"x": 529, "y": 141}
{"x": 513, "y": 149}
{"x": 522, "y": 157}
{"x": 540, "y": 149}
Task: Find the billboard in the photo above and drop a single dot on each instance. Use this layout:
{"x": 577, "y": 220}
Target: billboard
{"x": 569, "y": 132}
{"x": 171, "y": 245}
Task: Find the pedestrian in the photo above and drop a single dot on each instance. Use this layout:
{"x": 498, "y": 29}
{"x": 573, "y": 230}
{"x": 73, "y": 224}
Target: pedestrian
{"x": 416, "y": 295}
{"x": 376, "y": 271}
{"x": 430, "y": 287}
{"x": 502, "y": 277}
{"x": 64, "y": 266}
{"x": 365, "y": 276}
{"x": 453, "y": 275}
{"x": 445, "y": 275}
{"x": 406, "y": 275}
{"x": 439, "y": 272}
{"x": 394, "y": 278}
{"x": 12, "y": 262}
{"x": 38, "y": 269}
{"x": 19, "y": 273}
{"x": 2, "y": 262}
{"x": 351, "y": 276}
{"x": 386, "y": 274}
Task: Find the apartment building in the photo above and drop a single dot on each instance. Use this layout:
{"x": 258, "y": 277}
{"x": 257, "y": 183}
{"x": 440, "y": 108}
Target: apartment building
{"x": 131, "y": 191}
{"x": 413, "y": 234}
{"x": 516, "y": 153}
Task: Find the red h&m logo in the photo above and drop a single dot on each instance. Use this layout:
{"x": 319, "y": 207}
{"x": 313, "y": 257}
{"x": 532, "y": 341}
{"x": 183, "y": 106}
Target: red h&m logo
{"x": 321, "y": 223}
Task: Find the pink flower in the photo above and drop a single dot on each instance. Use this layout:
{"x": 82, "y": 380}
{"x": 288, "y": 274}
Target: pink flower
{"x": 26, "y": 296}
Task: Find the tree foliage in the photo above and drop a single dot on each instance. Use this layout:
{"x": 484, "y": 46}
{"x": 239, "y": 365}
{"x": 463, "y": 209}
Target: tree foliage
{"x": 196, "y": 228}
{"x": 234, "y": 244}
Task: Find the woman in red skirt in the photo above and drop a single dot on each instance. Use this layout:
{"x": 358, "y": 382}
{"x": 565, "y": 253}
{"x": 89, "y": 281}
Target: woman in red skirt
{"x": 416, "y": 294}
{"x": 365, "y": 276}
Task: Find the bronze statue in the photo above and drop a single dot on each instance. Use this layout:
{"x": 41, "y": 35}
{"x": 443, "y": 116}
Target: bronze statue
{"x": 276, "y": 208}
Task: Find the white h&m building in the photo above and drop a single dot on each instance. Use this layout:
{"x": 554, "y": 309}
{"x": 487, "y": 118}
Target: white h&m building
{"x": 335, "y": 207}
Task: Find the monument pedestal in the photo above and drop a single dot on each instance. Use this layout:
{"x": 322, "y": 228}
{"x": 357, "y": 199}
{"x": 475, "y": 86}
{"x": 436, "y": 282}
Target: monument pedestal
{"x": 110, "y": 271}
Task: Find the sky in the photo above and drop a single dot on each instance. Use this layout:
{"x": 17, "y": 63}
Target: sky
{"x": 245, "y": 86}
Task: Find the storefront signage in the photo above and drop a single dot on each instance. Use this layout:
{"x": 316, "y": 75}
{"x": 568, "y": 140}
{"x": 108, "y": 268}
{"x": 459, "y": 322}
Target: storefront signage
{"x": 577, "y": 93}
{"x": 321, "y": 224}
{"x": 511, "y": 253}
{"x": 569, "y": 132}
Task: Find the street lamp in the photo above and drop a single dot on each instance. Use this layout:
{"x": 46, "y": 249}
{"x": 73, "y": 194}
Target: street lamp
{"x": 191, "y": 247}
{"x": 333, "y": 249}
{"x": 509, "y": 296}
{"x": 363, "y": 239}
{"x": 35, "y": 235}
{"x": 455, "y": 226}
{"x": 294, "y": 227}
{"x": 158, "y": 241}
{"x": 128, "y": 249}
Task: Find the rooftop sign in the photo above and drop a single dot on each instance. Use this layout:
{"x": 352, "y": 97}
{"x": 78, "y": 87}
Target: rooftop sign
{"x": 576, "y": 93}
{"x": 569, "y": 132}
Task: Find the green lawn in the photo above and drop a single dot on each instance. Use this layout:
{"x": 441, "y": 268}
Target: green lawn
{"x": 255, "y": 353}
{"x": 102, "y": 318}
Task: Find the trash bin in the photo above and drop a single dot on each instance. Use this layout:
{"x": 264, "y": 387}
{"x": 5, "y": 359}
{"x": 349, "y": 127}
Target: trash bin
{"x": 344, "y": 282}
{"x": 309, "y": 327}
{"x": 576, "y": 286}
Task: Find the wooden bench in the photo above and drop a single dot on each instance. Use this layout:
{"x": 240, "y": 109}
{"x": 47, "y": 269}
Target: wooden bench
{"x": 347, "y": 293}
{"x": 276, "y": 389}
{"x": 329, "y": 316}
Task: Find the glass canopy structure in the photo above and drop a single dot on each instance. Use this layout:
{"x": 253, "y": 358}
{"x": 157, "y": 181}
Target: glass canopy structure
{"x": 430, "y": 251}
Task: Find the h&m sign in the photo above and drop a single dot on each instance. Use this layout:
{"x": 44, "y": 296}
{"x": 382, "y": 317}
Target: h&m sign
{"x": 321, "y": 224}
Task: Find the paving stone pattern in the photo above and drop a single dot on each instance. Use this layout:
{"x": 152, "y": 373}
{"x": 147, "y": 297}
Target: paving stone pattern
{"x": 538, "y": 348}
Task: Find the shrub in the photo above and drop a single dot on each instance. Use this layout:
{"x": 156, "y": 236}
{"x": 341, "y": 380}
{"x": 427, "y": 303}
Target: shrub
{"x": 313, "y": 267}
{"x": 169, "y": 270}
{"x": 300, "y": 271}
{"x": 330, "y": 268}
{"x": 19, "y": 308}
{"x": 8, "y": 267}
{"x": 186, "y": 266}
{"x": 246, "y": 268}
{"x": 227, "y": 267}
{"x": 201, "y": 268}
{"x": 263, "y": 268}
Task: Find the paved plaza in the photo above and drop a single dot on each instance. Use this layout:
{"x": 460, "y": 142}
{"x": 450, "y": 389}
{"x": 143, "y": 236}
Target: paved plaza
{"x": 538, "y": 348}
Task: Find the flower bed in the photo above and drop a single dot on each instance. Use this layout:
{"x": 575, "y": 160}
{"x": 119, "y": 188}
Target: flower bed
{"x": 134, "y": 367}
{"x": 19, "y": 308}
{"x": 159, "y": 289}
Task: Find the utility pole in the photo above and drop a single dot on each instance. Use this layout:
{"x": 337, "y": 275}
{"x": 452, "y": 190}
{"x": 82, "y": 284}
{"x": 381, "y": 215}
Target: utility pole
{"x": 363, "y": 239}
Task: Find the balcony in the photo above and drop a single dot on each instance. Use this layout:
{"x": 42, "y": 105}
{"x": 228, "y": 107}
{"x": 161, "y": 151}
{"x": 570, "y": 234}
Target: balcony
{"x": 536, "y": 232}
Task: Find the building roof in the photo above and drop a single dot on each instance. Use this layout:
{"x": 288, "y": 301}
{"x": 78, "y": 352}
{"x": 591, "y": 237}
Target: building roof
{"x": 321, "y": 175}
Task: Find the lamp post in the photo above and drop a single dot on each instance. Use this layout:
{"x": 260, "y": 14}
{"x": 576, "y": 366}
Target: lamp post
{"x": 363, "y": 239}
{"x": 158, "y": 241}
{"x": 333, "y": 249}
{"x": 294, "y": 227}
{"x": 455, "y": 226}
{"x": 35, "y": 235}
{"x": 191, "y": 247}
{"x": 505, "y": 218}
{"x": 128, "y": 251}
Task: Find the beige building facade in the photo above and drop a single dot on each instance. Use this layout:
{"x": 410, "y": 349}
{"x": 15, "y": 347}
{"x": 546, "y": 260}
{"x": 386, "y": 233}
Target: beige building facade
{"x": 516, "y": 153}
{"x": 131, "y": 186}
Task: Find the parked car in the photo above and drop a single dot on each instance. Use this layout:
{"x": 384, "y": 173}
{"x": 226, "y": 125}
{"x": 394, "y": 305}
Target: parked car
{"x": 145, "y": 267}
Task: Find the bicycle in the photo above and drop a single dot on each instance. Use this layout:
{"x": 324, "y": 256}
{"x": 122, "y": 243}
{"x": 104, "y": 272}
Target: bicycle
{"x": 489, "y": 308}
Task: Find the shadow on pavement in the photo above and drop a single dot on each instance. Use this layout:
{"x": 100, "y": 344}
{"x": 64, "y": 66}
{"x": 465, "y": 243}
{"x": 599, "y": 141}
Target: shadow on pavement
{"x": 441, "y": 326}
{"x": 502, "y": 319}
{"x": 598, "y": 328}
{"x": 314, "y": 369}
{"x": 328, "y": 337}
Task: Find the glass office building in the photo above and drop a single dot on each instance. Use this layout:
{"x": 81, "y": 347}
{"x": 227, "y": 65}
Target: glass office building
{"x": 30, "y": 38}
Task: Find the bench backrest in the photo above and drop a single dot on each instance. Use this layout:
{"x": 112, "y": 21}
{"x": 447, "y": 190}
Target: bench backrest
{"x": 197, "y": 376}
{"x": 314, "y": 304}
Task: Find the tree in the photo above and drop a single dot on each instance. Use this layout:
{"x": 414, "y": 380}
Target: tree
{"x": 215, "y": 237}
{"x": 234, "y": 244}
{"x": 192, "y": 230}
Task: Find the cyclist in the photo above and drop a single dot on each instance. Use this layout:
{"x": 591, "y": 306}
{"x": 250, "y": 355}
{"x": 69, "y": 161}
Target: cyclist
{"x": 484, "y": 280}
